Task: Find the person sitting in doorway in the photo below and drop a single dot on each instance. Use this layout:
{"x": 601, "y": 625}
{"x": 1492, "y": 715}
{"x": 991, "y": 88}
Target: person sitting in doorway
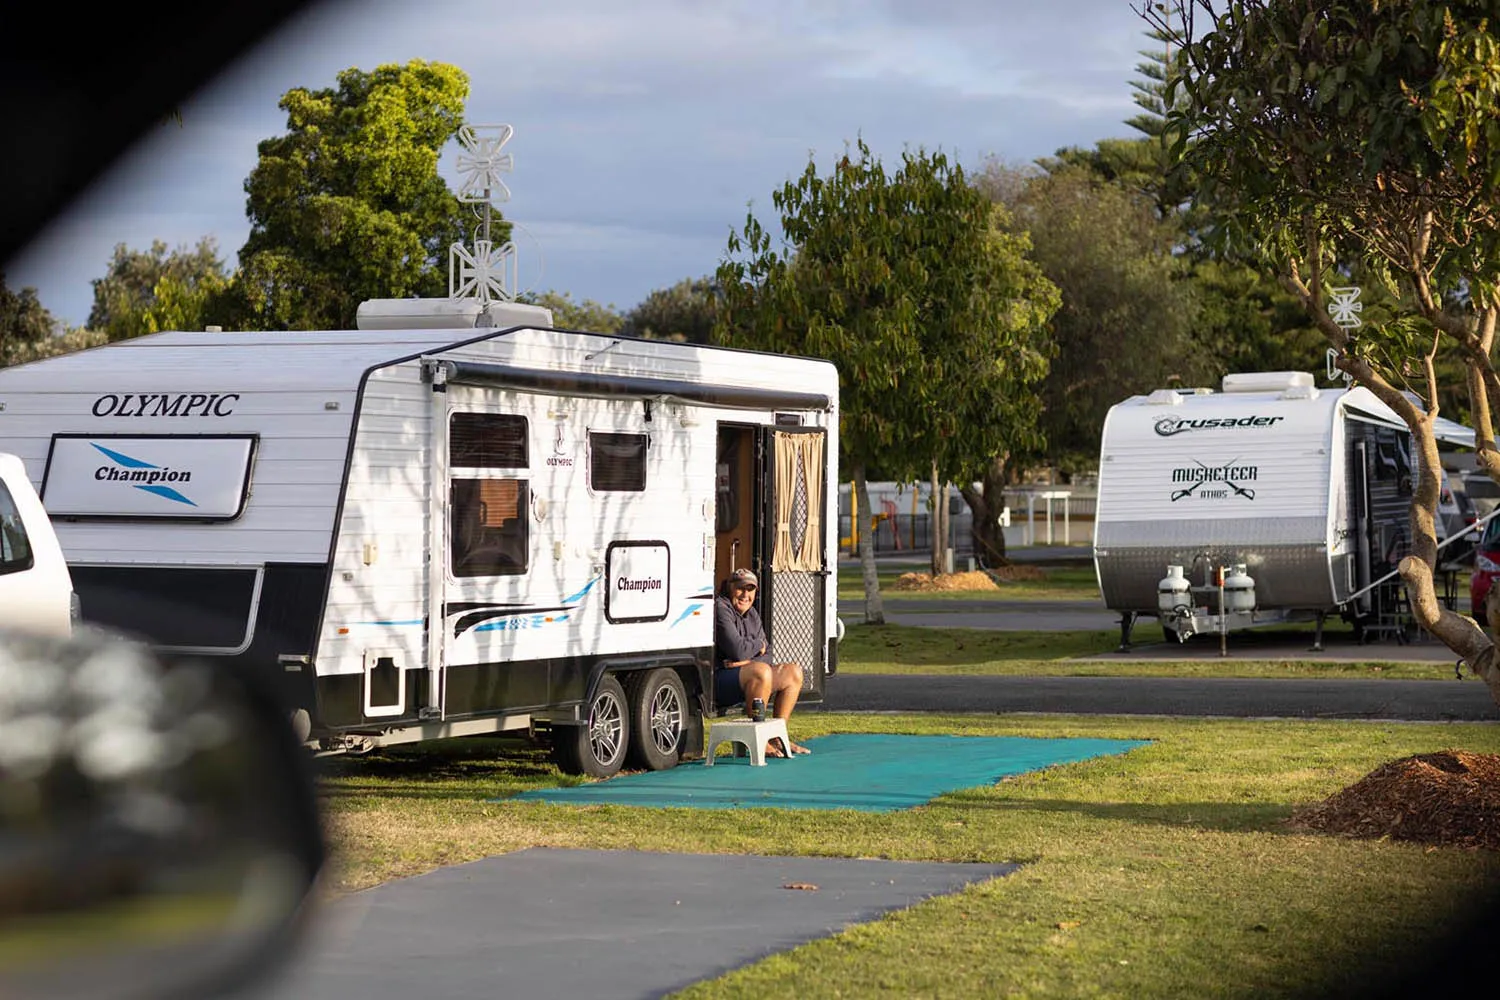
{"x": 742, "y": 672}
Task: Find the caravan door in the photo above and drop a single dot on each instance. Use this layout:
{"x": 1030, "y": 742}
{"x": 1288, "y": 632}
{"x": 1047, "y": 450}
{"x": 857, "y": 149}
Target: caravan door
{"x": 771, "y": 489}
{"x": 794, "y": 471}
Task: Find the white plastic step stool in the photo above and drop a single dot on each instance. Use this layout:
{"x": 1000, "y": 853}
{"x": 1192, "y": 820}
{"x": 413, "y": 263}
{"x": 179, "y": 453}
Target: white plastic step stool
{"x": 753, "y": 735}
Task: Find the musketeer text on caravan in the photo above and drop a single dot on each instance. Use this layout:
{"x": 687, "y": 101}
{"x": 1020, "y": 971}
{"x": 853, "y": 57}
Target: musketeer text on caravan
{"x": 1167, "y": 426}
{"x": 1222, "y": 473}
{"x": 160, "y": 404}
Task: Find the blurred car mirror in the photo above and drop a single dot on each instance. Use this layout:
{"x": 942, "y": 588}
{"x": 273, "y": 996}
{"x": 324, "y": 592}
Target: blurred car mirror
{"x": 159, "y": 834}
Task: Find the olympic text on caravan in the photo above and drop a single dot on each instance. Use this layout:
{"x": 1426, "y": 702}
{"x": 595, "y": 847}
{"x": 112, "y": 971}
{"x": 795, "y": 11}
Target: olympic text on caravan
{"x": 160, "y": 404}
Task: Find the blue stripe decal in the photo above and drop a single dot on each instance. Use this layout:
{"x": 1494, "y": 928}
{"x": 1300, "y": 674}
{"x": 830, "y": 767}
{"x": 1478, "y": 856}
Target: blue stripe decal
{"x": 579, "y": 596}
{"x": 125, "y": 460}
{"x": 685, "y": 613}
{"x": 167, "y": 492}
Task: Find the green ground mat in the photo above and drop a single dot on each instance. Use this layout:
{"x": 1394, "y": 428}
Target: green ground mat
{"x": 875, "y": 772}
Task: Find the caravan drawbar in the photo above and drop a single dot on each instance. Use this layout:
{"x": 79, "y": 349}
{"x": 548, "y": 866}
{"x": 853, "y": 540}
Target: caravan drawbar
{"x": 426, "y": 533}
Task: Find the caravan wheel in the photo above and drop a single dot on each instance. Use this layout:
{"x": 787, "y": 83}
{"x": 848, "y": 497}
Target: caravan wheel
{"x": 596, "y": 748}
{"x": 658, "y": 718}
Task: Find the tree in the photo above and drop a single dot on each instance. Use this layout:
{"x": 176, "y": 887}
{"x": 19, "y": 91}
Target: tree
{"x": 929, "y": 306}
{"x": 348, "y": 205}
{"x": 1127, "y": 321}
{"x": 1335, "y": 137}
{"x": 23, "y": 322}
{"x": 684, "y": 312}
{"x": 126, "y": 299}
{"x": 588, "y": 315}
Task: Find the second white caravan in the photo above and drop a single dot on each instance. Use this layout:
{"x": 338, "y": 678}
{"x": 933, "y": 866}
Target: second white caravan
{"x": 1271, "y": 499}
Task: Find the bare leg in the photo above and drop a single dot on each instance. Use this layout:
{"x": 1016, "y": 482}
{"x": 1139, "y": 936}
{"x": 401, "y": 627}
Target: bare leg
{"x": 757, "y": 680}
{"x": 787, "y": 680}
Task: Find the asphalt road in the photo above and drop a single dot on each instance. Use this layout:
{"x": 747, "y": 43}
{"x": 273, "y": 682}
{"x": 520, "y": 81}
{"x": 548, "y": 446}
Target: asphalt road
{"x": 1442, "y": 698}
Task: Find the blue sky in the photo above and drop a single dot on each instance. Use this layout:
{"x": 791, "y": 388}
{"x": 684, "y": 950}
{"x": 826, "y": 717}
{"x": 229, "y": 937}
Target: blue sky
{"x": 643, "y": 131}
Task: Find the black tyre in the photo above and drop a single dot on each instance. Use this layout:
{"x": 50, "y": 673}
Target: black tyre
{"x": 596, "y": 748}
{"x": 659, "y": 717}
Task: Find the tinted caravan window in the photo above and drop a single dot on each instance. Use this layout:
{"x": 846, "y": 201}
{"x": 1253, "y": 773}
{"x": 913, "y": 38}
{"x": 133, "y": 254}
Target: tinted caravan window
{"x": 617, "y": 462}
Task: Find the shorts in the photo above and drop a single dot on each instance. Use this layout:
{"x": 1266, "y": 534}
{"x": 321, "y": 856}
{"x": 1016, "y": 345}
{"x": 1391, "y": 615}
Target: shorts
{"x": 727, "y": 690}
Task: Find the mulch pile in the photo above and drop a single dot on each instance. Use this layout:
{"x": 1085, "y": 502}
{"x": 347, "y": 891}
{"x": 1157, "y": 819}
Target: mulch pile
{"x": 1450, "y": 798}
{"x": 977, "y": 580}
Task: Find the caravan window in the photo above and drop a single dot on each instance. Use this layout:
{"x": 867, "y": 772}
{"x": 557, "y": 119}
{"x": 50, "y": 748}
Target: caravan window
{"x": 490, "y": 529}
{"x": 487, "y": 441}
{"x": 617, "y": 462}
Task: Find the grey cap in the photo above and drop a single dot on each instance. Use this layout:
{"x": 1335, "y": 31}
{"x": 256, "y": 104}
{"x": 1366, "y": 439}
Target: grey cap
{"x": 743, "y": 575}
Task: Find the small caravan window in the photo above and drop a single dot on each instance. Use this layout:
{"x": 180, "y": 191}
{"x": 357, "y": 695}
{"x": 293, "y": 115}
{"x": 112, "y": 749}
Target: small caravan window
{"x": 15, "y": 547}
{"x": 489, "y": 525}
{"x": 487, "y": 441}
{"x": 617, "y": 462}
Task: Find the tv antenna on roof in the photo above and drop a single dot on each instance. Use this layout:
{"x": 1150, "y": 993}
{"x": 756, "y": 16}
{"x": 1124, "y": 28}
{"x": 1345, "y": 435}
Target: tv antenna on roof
{"x": 487, "y": 272}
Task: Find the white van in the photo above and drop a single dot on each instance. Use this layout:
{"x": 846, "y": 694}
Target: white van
{"x": 36, "y": 589}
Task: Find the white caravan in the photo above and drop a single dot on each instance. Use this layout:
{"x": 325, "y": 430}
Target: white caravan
{"x": 36, "y": 592}
{"x": 437, "y": 532}
{"x": 1269, "y": 500}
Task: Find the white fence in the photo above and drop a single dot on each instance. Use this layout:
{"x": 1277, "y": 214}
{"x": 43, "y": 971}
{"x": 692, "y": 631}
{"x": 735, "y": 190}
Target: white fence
{"x": 1037, "y": 515}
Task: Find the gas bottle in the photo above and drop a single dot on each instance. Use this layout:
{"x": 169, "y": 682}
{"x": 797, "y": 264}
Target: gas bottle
{"x": 1172, "y": 591}
{"x": 1239, "y": 590}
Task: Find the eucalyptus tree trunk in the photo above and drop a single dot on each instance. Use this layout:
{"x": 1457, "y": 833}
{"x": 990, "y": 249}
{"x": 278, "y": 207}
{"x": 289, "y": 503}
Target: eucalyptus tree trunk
{"x": 938, "y": 522}
{"x": 874, "y": 612}
{"x": 985, "y": 505}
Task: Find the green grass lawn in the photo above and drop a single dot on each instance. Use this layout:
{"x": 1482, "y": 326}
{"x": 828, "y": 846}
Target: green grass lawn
{"x": 1169, "y": 871}
{"x": 906, "y": 649}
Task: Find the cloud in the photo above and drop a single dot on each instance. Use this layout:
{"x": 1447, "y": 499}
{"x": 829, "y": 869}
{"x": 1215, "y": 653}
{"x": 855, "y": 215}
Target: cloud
{"x": 643, "y": 130}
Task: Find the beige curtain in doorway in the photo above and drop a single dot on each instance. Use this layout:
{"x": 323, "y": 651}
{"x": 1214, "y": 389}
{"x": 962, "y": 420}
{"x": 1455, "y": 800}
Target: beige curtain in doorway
{"x": 799, "y": 502}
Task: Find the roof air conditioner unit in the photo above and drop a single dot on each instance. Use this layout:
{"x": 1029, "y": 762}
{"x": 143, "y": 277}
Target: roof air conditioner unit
{"x": 1267, "y": 381}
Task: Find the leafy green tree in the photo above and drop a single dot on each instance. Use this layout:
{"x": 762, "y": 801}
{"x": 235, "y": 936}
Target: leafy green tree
{"x": 930, "y": 307}
{"x": 588, "y": 315}
{"x": 127, "y": 294}
{"x": 348, "y": 204}
{"x": 1242, "y": 316}
{"x": 1339, "y": 137}
{"x": 1138, "y": 164}
{"x": 1126, "y": 324}
{"x": 23, "y": 322}
{"x": 683, "y": 312}
{"x": 183, "y": 305}
{"x": 1249, "y": 323}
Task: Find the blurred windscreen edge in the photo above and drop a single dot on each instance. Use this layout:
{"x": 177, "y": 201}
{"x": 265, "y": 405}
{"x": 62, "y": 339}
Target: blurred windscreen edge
{"x": 80, "y": 88}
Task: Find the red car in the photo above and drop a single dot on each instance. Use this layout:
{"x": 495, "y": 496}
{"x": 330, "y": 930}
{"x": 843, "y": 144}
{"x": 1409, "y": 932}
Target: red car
{"x": 1486, "y": 567}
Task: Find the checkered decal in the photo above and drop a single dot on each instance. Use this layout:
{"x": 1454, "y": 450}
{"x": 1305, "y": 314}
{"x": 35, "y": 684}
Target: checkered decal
{"x": 796, "y": 608}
